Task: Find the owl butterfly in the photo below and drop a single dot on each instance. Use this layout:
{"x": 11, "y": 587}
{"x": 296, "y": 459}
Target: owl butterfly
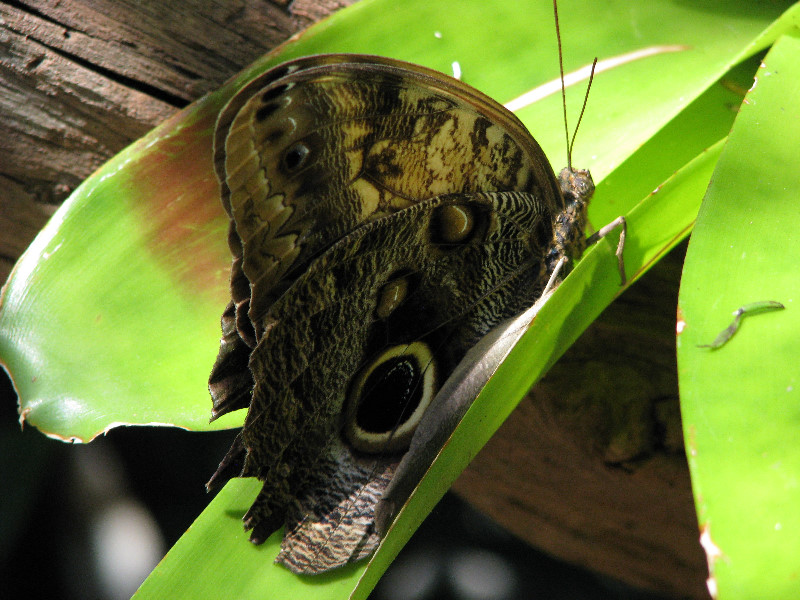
{"x": 385, "y": 219}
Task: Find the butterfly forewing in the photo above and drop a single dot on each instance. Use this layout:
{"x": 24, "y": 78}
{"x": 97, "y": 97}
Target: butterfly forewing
{"x": 330, "y": 146}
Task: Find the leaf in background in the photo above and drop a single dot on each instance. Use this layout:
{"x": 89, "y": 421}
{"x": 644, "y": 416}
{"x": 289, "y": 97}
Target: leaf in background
{"x": 741, "y": 414}
{"x": 112, "y": 316}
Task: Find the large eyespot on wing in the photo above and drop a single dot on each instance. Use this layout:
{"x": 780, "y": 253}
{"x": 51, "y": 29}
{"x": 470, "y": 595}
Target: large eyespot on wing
{"x": 388, "y": 397}
{"x": 447, "y": 408}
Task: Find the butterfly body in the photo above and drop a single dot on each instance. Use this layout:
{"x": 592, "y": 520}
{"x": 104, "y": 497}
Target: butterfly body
{"x": 384, "y": 219}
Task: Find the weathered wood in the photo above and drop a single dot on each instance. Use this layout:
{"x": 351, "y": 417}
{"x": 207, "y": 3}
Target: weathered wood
{"x": 81, "y": 80}
{"x": 596, "y": 476}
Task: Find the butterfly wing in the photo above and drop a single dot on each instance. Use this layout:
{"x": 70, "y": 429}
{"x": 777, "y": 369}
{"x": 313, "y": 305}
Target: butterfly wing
{"x": 362, "y": 266}
{"x": 318, "y": 146}
{"x": 347, "y": 370}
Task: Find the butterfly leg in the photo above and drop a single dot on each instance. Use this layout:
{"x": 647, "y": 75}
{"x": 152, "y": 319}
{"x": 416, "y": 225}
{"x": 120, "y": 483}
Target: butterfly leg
{"x": 603, "y": 232}
{"x": 551, "y": 283}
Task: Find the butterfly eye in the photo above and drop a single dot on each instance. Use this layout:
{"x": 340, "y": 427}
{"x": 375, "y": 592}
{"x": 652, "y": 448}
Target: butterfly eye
{"x": 388, "y": 397}
{"x": 295, "y": 156}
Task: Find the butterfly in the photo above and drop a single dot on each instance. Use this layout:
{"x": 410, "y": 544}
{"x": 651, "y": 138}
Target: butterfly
{"x": 385, "y": 221}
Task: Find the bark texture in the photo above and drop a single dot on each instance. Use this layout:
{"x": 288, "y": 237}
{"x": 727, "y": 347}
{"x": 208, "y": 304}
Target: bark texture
{"x": 81, "y": 80}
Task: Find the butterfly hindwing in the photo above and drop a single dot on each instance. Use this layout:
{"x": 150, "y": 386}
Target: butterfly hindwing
{"x": 423, "y": 297}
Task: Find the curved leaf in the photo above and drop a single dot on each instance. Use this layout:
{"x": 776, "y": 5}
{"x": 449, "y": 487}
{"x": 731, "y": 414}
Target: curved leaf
{"x": 131, "y": 271}
{"x": 739, "y": 402}
{"x": 673, "y": 206}
{"x": 130, "y": 275}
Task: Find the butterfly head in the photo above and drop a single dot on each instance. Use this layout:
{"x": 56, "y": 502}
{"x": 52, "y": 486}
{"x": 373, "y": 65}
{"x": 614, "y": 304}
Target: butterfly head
{"x": 577, "y": 189}
{"x": 576, "y": 186}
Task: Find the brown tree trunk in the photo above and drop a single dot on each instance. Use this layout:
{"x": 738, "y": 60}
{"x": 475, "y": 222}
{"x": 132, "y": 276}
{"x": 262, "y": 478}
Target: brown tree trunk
{"x": 590, "y": 468}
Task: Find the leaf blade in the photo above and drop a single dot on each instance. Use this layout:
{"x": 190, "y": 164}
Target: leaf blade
{"x": 739, "y": 421}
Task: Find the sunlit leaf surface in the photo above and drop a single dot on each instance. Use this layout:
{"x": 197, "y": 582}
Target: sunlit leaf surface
{"x": 740, "y": 406}
{"x": 112, "y": 316}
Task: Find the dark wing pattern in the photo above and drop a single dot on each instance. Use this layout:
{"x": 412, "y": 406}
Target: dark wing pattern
{"x": 384, "y": 218}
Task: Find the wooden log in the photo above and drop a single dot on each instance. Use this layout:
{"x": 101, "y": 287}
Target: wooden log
{"x": 81, "y": 80}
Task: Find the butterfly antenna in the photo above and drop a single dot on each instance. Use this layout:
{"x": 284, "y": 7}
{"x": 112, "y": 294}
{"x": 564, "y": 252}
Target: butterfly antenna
{"x": 570, "y": 143}
{"x": 563, "y": 85}
{"x": 583, "y": 109}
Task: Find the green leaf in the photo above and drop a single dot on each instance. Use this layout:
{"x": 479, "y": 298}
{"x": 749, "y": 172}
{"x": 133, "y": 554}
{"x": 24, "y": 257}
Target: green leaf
{"x": 739, "y": 402}
{"x": 111, "y": 317}
{"x": 213, "y": 559}
{"x": 131, "y": 271}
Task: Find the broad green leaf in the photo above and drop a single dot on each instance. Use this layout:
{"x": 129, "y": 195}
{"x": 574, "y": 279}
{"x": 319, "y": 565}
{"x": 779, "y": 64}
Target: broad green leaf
{"x": 207, "y": 561}
{"x": 131, "y": 273}
{"x": 664, "y": 212}
{"x": 132, "y": 270}
{"x": 739, "y": 402}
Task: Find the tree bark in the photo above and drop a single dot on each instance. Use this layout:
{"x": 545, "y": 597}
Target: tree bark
{"x": 81, "y": 80}
{"x": 590, "y": 467}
